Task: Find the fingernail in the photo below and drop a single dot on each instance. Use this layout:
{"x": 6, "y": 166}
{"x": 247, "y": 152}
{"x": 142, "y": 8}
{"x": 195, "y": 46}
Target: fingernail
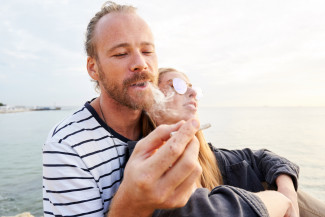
{"x": 195, "y": 123}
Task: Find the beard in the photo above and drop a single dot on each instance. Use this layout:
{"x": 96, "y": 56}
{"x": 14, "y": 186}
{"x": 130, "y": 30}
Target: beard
{"x": 141, "y": 100}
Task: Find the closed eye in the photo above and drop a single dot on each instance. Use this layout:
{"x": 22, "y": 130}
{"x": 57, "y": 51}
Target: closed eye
{"x": 120, "y": 55}
{"x": 147, "y": 52}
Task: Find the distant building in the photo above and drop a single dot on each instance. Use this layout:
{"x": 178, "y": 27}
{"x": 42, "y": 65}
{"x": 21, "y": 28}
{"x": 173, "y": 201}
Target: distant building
{"x": 12, "y": 109}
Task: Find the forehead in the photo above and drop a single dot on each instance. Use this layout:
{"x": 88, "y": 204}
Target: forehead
{"x": 170, "y": 75}
{"x": 121, "y": 27}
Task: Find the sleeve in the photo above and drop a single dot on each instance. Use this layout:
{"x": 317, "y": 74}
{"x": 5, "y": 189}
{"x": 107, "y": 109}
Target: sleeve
{"x": 69, "y": 189}
{"x": 222, "y": 201}
{"x": 270, "y": 165}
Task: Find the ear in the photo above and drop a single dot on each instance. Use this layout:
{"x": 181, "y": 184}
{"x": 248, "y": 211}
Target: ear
{"x": 92, "y": 68}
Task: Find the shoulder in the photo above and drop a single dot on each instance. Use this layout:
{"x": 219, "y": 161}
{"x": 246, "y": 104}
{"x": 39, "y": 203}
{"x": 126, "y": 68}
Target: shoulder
{"x": 74, "y": 128}
{"x": 232, "y": 156}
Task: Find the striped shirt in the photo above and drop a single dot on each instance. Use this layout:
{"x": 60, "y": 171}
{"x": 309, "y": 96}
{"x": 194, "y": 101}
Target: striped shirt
{"x": 83, "y": 163}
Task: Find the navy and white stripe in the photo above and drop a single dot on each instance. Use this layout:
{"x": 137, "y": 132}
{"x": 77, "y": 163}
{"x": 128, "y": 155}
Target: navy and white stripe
{"x": 82, "y": 166}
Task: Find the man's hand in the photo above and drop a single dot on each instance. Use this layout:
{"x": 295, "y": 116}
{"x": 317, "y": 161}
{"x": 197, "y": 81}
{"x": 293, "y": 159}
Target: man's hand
{"x": 285, "y": 186}
{"x": 161, "y": 172}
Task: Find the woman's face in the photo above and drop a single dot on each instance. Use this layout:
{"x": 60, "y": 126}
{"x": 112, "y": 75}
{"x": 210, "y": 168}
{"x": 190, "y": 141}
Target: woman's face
{"x": 181, "y": 106}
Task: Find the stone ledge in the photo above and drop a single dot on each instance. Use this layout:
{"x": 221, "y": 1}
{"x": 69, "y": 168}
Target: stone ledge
{"x": 24, "y": 214}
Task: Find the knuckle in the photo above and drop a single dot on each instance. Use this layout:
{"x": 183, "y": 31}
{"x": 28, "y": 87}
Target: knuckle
{"x": 157, "y": 199}
{"x": 198, "y": 170}
{"x": 190, "y": 164}
{"x": 195, "y": 142}
{"x": 160, "y": 196}
{"x": 178, "y": 200}
{"x": 170, "y": 204}
{"x": 144, "y": 181}
{"x": 174, "y": 150}
{"x": 182, "y": 201}
{"x": 187, "y": 131}
{"x": 182, "y": 122}
{"x": 162, "y": 128}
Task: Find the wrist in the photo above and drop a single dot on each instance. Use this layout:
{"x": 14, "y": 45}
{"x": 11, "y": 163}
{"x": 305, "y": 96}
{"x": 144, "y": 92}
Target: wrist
{"x": 285, "y": 183}
{"x": 124, "y": 205}
{"x": 276, "y": 203}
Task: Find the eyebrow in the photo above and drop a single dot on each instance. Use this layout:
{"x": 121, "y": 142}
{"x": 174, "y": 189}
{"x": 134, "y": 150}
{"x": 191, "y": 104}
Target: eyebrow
{"x": 148, "y": 43}
{"x": 128, "y": 45}
{"x": 187, "y": 83}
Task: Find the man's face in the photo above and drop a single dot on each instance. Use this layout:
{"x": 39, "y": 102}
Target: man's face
{"x": 127, "y": 61}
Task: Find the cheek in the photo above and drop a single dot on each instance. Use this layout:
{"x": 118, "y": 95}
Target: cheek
{"x": 115, "y": 72}
{"x": 153, "y": 60}
{"x": 177, "y": 103}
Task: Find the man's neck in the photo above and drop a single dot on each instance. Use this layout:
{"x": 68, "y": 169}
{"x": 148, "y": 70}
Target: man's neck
{"x": 121, "y": 119}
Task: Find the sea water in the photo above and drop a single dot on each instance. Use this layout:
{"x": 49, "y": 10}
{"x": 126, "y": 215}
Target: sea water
{"x": 295, "y": 133}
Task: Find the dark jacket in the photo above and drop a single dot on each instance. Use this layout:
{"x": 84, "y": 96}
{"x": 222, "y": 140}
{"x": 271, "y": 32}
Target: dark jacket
{"x": 247, "y": 169}
{"x": 222, "y": 201}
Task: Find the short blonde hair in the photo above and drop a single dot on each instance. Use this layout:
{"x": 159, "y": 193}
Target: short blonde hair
{"x": 90, "y": 45}
{"x": 108, "y": 7}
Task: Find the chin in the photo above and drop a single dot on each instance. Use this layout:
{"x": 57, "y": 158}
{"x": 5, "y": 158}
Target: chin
{"x": 189, "y": 116}
{"x": 143, "y": 100}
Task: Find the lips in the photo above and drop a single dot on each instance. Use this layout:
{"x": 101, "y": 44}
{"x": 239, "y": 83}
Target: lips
{"x": 138, "y": 79}
{"x": 139, "y": 84}
{"x": 191, "y": 104}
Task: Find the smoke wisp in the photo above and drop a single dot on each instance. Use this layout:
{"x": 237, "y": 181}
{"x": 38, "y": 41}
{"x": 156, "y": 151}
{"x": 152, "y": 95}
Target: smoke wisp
{"x": 159, "y": 110}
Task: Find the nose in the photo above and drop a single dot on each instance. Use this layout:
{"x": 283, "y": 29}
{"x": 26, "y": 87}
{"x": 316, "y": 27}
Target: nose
{"x": 191, "y": 92}
{"x": 138, "y": 62}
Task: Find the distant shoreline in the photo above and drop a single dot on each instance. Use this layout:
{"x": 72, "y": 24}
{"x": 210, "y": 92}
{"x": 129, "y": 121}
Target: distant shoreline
{"x": 15, "y": 109}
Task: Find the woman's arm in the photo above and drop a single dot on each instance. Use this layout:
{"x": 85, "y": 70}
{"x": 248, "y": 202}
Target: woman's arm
{"x": 277, "y": 204}
{"x": 228, "y": 201}
{"x": 280, "y": 166}
{"x": 286, "y": 187}
{"x": 261, "y": 165}
{"x": 271, "y": 166}
{"x": 281, "y": 173}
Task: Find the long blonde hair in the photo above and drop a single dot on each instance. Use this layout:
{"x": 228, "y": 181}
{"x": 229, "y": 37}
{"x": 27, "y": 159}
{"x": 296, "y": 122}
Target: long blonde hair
{"x": 211, "y": 175}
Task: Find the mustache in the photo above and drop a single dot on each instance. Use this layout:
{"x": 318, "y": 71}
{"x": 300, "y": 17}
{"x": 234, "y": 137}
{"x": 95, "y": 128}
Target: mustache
{"x": 138, "y": 77}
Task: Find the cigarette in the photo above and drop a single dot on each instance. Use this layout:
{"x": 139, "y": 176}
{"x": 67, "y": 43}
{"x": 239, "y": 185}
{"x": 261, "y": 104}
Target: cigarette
{"x": 205, "y": 126}
{"x": 202, "y": 127}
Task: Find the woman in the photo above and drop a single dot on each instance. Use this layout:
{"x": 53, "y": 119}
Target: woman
{"x": 183, "y": 106}
{"x": 244, "y": 169}
{"x": 241, "y": 168}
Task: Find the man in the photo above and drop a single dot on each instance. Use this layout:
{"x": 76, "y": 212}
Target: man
{"x": 83, "y": 158}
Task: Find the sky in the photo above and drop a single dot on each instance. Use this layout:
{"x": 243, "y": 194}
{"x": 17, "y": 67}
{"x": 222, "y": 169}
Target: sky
{"x": 241, "y": 53}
